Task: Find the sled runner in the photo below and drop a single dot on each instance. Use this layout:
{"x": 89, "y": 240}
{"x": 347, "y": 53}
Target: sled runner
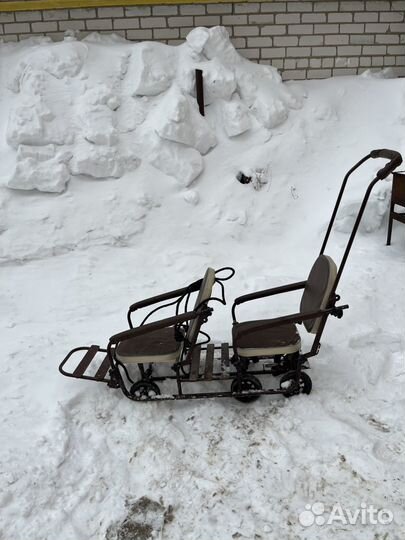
{"x": 169, "y": 350}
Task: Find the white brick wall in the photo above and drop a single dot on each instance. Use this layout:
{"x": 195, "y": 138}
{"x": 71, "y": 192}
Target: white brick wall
{"x": 307, "y": 39}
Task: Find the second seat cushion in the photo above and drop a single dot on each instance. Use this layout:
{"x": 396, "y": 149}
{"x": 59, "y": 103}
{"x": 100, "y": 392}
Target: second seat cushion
{"x": 283, "y": 339}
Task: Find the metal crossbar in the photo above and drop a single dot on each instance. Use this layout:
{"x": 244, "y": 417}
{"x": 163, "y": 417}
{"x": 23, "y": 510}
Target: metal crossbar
{"x": 209, "y": 362}
{"x": 85, "y": 361}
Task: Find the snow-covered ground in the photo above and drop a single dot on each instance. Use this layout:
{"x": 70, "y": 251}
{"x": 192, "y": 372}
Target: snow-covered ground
{"x": 138, "y": 195}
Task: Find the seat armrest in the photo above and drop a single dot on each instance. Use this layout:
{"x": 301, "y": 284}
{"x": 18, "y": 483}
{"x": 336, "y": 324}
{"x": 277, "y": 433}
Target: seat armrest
{"x": 270, "y": 292}
{"x": 165, "y": 296}
{"x": 158, "y": 325}
{"x": 294, "y": 318}
{"x": 267, "y": 292}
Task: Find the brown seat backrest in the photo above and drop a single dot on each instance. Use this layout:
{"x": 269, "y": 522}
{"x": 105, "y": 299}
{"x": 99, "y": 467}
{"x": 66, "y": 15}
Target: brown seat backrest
{"x": 317, "y": 289}
{"x": 203, "y": 295}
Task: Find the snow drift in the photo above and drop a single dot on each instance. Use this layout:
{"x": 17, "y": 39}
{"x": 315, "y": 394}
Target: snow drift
{"x": 145, "y": 107}
{"x": 79, "y": 461}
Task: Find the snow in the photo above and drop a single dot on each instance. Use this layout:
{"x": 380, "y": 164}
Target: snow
{"x": 153, "y": 66}
{"x": 236, "y": 118}
{"x": 109, "y": 114}
{"x": 143, "y": 212}
{"x": 40, "y": 167}
{"x": 176, "y": 119}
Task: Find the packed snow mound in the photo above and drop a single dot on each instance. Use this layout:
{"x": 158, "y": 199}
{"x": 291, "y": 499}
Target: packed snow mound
{"x": 117, "y": 470}
{"x": 176, "y": 119}
{"x": 154, "y": 68}
{"x": 235, "y": 115}
{"x": 60, "y": 60}
{"x": 100, "y": 161}
{"x": 386, "y": 73}
{"x": 374, "y": 215}
{"x": 108, "y": 102}
{"x": 41, "y": 167}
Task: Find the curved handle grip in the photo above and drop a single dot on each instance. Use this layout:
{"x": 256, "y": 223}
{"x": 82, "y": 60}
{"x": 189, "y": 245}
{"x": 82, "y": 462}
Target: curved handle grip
{"x": 394, "y": 157}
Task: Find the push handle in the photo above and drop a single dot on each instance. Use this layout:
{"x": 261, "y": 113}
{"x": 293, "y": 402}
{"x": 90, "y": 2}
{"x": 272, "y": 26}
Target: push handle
{"x": 394, "y": 157}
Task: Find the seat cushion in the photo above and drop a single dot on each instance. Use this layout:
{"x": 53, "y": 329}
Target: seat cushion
{"x": 159, "y": 346}
{"x": 283, "y": 339}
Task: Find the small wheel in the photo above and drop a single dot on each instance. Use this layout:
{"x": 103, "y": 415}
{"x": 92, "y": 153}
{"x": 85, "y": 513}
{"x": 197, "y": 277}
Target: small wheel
{"x": 246, "y": 384}
{"x": 293, "y": 388}
{"x": 114, "y": 381}
{"x": 143, "y": 390}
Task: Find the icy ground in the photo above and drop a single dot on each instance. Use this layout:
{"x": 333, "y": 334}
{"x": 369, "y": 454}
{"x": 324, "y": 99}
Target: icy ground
{"x": 79, "y": 461}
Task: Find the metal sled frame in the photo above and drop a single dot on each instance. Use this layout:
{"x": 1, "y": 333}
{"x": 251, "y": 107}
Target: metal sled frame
{"x": 115, "y": 373}
{"x": 232, "y": 367}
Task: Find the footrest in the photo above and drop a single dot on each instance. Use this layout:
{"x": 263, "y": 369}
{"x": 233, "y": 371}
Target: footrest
{"x": 93, "y": 365}
{"x": 204, "y": 361}
{"x": 85, "y": 361}
{"x": 225, "y": 355}
{"x": 195, "y": 364}
{"x": 209, "y": 362}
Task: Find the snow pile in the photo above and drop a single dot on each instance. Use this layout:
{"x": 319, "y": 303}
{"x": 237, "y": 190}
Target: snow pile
{"x": 374, "y": 215}
{"x": 145, "y": 109}
{"x": 79, "y": 460}
{"x": 41, "y": 167}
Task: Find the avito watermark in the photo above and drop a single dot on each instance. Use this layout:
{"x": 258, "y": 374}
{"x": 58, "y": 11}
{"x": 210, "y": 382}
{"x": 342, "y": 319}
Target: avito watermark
{"x": 366, "y": 514}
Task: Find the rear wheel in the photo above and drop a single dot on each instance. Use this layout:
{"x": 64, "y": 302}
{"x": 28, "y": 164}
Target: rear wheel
{"x": 247, "y": 383}
{"x": 292, "y": 387}
{"x": 143, "y": 390}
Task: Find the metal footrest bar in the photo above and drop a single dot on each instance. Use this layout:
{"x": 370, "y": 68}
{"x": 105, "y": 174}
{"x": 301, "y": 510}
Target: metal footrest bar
{"x": 103, "y": 369}
{"x": 209, "y": 362}
{"x": 195, "y": 364}
{"x": 225, "y": 355}
{"x": 86, "y": 363}
{"x": 209, "y": 374}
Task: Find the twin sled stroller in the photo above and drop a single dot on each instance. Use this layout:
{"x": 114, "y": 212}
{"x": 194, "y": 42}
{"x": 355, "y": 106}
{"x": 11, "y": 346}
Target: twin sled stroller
{"x": 171, "y": 350}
